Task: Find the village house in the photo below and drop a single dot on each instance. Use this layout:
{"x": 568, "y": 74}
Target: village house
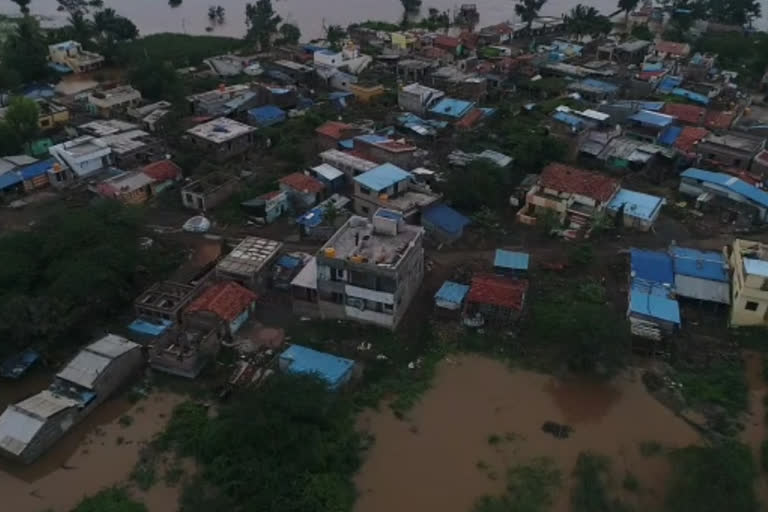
{"x": 648, "y": 126}
{"x": 304, "y": 291}
{"x": 714, "y": 189}
{"x": 366, "y": 93}
{"x": 443, "y": 224}
{"x": 139, "y": 113}
{"x": 691, "y": 115}
{"x": 226, "y": 303}
{"x": 163, "y": 301}
{"x": 670, "y": 50}
{"x": 571, "y": 195}
{"x": 249, "y": 263}
{"x": 103, "y": 127}
{"x": 267, "y": 207}
{"x": 749, "y": 283}
{"x": 377, "y": 148}
{"x": 511, "y": 263}
{"x": 449, "y": 299}
{"x": 351, "y": 165}
{"x": 335, "y": 371}
{"x": 134, "y": 148}
{"x": 208, "y": 191}
{"x": 729, "y": 149}
{"x": 30, "y": 427}
{"x": 218, "y": 102}
{"x": 222, "y": 138}
{"x": 414, "y": 70}
{"x": 628, "y": 52}
{"x": 388, "y": 186}
{"x": 636, "y": 210}
{"x": 267, "y": 115}
{"x": 70, "y": 56}
{"x": 595, "y": 91}
{"x": 185, "y": 350}
{"x": 418, "y": 98}
{"x": 164, "y": 173}
{"x": 370, "y": 271}
{"x": 303, "y": 191}
{"x": 653, "y": 311}
{"x": 111, "y": 102}
{"x": 22, "y": 173}
{"x": 450, "y": 109}
{"x": 494, "y": 300}
{"x": 332, "y": 178}
{"x": 329, "y": 134}
{"x": 128, "y": 187}
{"x": 701, "y": 275}
{"x": 349, "y": 58}
{"x": 78, "y": 159}
{"x": 719, "y": 120}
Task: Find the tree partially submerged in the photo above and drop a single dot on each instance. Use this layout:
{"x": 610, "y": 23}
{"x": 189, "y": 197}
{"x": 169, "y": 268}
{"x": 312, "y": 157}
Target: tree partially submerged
{"x": 528, "y": 10}
{"x": 262, "y": 22}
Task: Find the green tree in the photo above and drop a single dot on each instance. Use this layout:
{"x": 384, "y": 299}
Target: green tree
{"x": 81, "y": 6}
{"x": 25, "y": 51}
{"x": 411, "y": 6}
{"x": 22, "y": 118}
{"x": 481, "y": 183}
{"x": 262, "y": 23}
{"x": 110, "y": 500}
{"x": 109, "y": 24}
{"x": 733, "y": 12}
{"x": 23, "y": 6}
{"x": 157, "y": 80}
{"x": 627, "y": 6}
{"x": 80, "y": 28}
{"x": 175, "y": 3}
{"x": 580, "y": 20}
{"x": 528, "y": 10}
{"x": 289, "y": 34}
{"x": 641, "y": 31}
{"x": 335, "y": 34}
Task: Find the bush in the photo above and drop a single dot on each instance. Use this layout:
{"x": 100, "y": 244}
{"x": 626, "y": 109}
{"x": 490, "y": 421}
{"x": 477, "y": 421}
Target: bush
{"x": 178, "y": 49}
{"x": 529, "y": 488}
{"x": 723, "y": 384}
{"x": 110, "y": 500}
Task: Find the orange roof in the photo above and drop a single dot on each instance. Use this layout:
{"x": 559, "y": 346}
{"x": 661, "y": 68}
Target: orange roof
{"x": 471, "y": 119}
{"x": 162, "y": 170}
{"x": 498, "y": 291}
{"x": 333, "y": 129}
{"x": 446, "y": 41}
{"x": 226, "y": 300}
{"x": 303, "y": 183}
{"x": 689, "y": 137}
{"x": 718, "y": 119}
{"x": 565, "y": 178}
{"x": 673, "y": 48}
{"x": 691, "y": 114}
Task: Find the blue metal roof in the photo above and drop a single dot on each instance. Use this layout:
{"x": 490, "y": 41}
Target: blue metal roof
{"x": 669, "y": 136}
{"x": 729, "y": 182}
{"x": 511, "y": 260}
{"x": 151, "y": 328}
{"x": 653, "y": 301}
{"x": 452, "y": 292}
{"x": 37, "y": 169}
{"x": 652, "y": 266}
{"x": 654, "y": 119}
{"x": 569, "y": 119}
{"x": 9, "y": 179}
{"x": 312, "y": 218}
{"x": 668, "y": 84}
{"x": 267, "y": 115}
{"x": 452, "y": 107}
{"x": 17, "y": 365}
{"x": 305, "y": 361}
{"x": 382, "y": 177}
{"x": 287, "y": 261}
{"x": 636, "y": 204}
{"x": 599, "y": 84}
{"x": 372, "y": 138}
{"x": 690, "y": 95}
{"x": 445, "y": 218}
{"x": 708, "y": 265}
{"x": 653, "y": 106}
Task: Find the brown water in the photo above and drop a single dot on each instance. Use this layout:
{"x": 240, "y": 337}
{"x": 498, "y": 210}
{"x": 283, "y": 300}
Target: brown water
{"x": 429, "y": 461}
{"x": 153, "y": 16}
{"x": 88, "y": 458}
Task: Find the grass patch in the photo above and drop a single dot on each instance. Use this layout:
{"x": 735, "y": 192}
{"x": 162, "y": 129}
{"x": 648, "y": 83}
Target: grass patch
{"x": 144, "y": 474}
{"x": 482, "y": 465}
{"x": 114, "y": 499}
{"x": 630, "y": 482}
{"x": 179, "y": 49}
{"x": 723, "y": 384}
{"x": 591, "y": 489}
{"x": 173, "y": 475}
{"x": 494, "y": 439}
{"x": 529, "y": 488}
{"x": 650, "y": 448}
{"x": 125, "y": 420}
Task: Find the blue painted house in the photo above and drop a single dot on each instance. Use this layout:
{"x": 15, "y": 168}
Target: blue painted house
{"x": 333, "y": 370}
{"x": 443, "y": 223}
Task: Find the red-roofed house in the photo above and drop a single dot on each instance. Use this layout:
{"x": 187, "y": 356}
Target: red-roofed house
{"x": 470, "y": 120}
{"x": 331, "y": 133}
{"x": 688, "y": 139}
{"x": 438, "y": 54}
{"x": 494, "y": 300}
{"x": 672, "y": 50}
{"x": 469, "y": 39}
{"x": 718, "y": 119}
{"x": 398, "y": 152}
{"x": 303, "y": 191}
{"x": 573, "y": 195}
{"x": 447, "y": 43}
{"x": 687, "y": 114}
{"x": 162, "y": 171}
{"x": 225, "y": 303}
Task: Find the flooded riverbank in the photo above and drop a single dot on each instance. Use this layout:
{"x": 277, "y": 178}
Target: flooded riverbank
{"x": 441, "y": 457}
{"x": 99, "y": 452}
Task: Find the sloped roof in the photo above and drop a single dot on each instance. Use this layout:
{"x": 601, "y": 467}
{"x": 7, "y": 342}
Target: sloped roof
{"x": 685, "y": 113}
{"x": 652, "y": 266}
{"x": 303, "y": 183}
{"x": 498, "y": 291}
{"x": 565, "y": 178}
{"x": 732, "y": 183}
{"x": 333, "y": 129}
{"x": 162, "y": 170}
{"x": 226, "y": 300}
{"x": 708, "y": 265}
{"x": 689, "y": 137}
{"x": 447, "y": 41}
{"x": 718, "y": 119}
{"x": 673, "y": 48}
{"x": 328, "y": 367}
{"x": 93, "y": 360}
{"x": 382, "y": 177}
{"x": 445, "y": 218}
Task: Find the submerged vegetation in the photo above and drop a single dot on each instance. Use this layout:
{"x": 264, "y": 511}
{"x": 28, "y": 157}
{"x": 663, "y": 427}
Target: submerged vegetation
{"x": 529, "y": 487}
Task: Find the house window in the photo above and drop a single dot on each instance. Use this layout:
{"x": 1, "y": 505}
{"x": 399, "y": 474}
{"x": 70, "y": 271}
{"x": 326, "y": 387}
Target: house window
{"x": 365, "y": 210}
{"x": 45, "y": 123}
{"x": 388, "y": 308}
{"x": 365, "y": 190}
{"x": 751, "y": 306}
{"x": 737, "y": 163}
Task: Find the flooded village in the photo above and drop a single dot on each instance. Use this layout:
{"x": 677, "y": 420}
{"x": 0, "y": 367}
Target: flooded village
{"x": 464, "y": 261}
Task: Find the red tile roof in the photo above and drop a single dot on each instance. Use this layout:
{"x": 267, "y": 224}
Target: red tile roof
{"x": 762, "y": 157}
{"x": 689, "y": 137}
{"x": 433, "y": 52}
{"x": 162, "y": 170}
{"x": 226, "y": 300}
{"x": 270, "y": 195}
{"x": 690, "y": 114}
{"x": 645, "y": 76}
{"x": 565, "y": 178}
{"x": 471, "y": 119}
{"x": 498, "y": 291}
{"x": 718, "y": 119}
{"x": 333, "y": 129}
{"x": 673, "y": 48}
{"x": 446, "y": 42}
{"x": 469, "y": 39}
{"x": 303, "y": 183}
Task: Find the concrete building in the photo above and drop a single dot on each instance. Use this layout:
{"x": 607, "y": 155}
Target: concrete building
{"x": 729, "y": 149}
{"x": 208, "y": 191}
{"x": 186, "y": 350}
{"x": 388, "y": 186}
{"x": 111, "y": 102}
{"x": 350, "y": 165}
{"x": 303, "y": 191}
{"x": 250, "y": 262}
{"x": 164, "y": 300}
{"x": 418, "y": 98}
{"x": 70, "y": 54}
{"x": 105, "y": 127}
{"x": 79, "y": 158}
{"x": 370, "y": 271}
{"x": 134, "y": 148}
{"x": 333, "y": 370}
{"x": 50, "y": 114}
{"x": 217, "y": 102}
{"x": 701, "y": 275}
{"x": 222, "y": 138}
{"x": 30, "y": 427}
{"x": 385, "y": 150}
{"x": 304, "y": 291}
{"x": 749, "y": 283}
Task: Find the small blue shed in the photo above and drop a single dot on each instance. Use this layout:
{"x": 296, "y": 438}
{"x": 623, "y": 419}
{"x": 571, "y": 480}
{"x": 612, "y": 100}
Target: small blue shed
{"x": 444, "y": 223}
{"x": 334, "y": 370}
{"x": 267, "y": 115}
{"x": 510, "y": 262}
{"x": 451, "y": 295}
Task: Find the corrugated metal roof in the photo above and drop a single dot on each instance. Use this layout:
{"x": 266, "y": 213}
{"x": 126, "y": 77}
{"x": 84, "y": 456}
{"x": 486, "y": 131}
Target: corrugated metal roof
{"x": 330, "y": 368}
{"x": 655, "y": 119}
{"x": 9, "y": 179}
{"x": 382, "y": 177}
{"x": 647, "y": 301}
{"x": 669, "y": 136}
{"x": 729, "y": 182}
{"x": 445, "y": 218}
{"x": 46, "y": 404}
{"x": 636, "y": 204}
{"x": 511, "y": 260}
{"x": 84, "y": 369}
{"x": 328, "y": 172}
{"x": 111, "y": 346}
{"x": 498, "y": 291}
{"x": 690, "y": 95}
{"x": 451, "y": 292}
{"x": 652, "y": 266}
{"x": 668, "y": 84}
{"x": 17, "y": 429}
{"x": 569, "y": 119}
{"x": 709, "y": 265}
{"x": 452, "y": 107}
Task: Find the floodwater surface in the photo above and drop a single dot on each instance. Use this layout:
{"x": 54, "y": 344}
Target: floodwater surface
{"x": 152, "y": 16}
{"x": 430, "y": 461}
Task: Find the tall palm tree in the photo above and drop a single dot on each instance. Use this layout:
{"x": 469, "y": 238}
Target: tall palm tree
{"x": 627, "y": 6}
{"x": 528, "y": 10}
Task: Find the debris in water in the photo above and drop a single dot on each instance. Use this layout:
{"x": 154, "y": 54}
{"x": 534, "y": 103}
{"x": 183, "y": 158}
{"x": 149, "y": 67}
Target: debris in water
{"x": 557, "y": 430}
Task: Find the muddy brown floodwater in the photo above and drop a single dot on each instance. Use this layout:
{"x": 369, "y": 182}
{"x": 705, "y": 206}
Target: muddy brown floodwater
{"x": 97, "y": 453}
{"x": 429, "y": 461}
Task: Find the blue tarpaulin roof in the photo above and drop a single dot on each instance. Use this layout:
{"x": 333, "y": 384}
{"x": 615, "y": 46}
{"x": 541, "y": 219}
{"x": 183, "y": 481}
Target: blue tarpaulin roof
{"x": 636, "y": 204}
{"x": 445, "y": 218}
{"x": 511, "y": 260}
{"x": 287, "y": 261}
{"x": 591, "y": 83}
{"x": 652, "y": 266}
{"x": 669, "y": 136}
{"x": 267, "y": 115}
{"x": 452, "y": 107}
{"x": 690, "y": 95}
{"x": 451, "y": 292}
{"x": 18, "y": 364}
{"x": 653, "y": 106}
{"x": 37, "y": 169}
{"x": 648, "y": 118}
{"x": 372, "y": 138}
{"x": 382, "y": 177}
{"x": 142, "y": 326}
{"x": 668, "y": 84}
{"x": 653, "y": 301}
{"x": 708, "y": 265}
{"x": 312, "y": 218}
{"x": 9, "y": 179}
{"x": 729, "y": 182}
{"x": 332, "y": 369}
{"x": 569, "y": 119}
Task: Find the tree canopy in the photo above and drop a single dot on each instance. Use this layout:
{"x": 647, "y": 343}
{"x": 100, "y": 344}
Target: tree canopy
{"x": 262, "y": 22}
{"x": 289, "y": 34}
{"x": 528, "y": 10}
{"x": 22, "y": 120}
{"x": 25, "y": 52}
{"x": 586, "y": 20}
{"x": 110, "y": 500}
